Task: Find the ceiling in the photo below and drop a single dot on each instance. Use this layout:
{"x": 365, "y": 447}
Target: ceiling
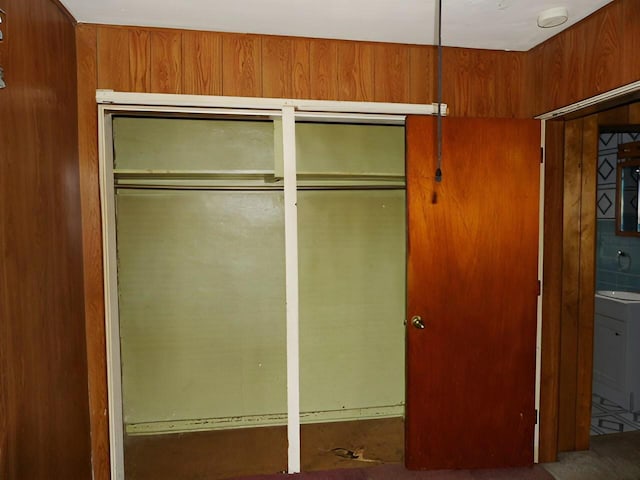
{"x": 490, "y": 24}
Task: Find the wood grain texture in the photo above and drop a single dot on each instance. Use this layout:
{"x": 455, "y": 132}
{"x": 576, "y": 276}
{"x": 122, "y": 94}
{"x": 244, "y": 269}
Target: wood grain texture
{"x": 535, "y": 60}
{"x": 615, "y": 116}
{"x": 355, "y": 71}
{"x": 391, "y": 73}
{"x": 552, "y": 81}
{"x": 140, "y": 60}
{"x": 552, "y": 290}
{"x": 634, "y": 113}
{"x": 598, "y": 49}
{"x": 452, "y": 362}
{"x": 285, "y": 67}
{"x": 478, "y": 83}
{"x": 591, "y": 57}
{"x": 86, "y": 42}
{"x": 242, "y": 71}
{"x": 514, "y": 85}
{"x": 573, "y": 65}
{"x": 586, "y": 300}
{"x": 277, "y": 66}
{"x": 44, "y": 431}
{"x": 166, "y": 61}
{"x": 570, "y": 285}
{"x": 324, "y": 69}
{"x": 470, "y": 85}
{"x": 201, "y": 63}
{"x": 113, "y": 60}
{"x": 630, "y": 41}
{"x": 300, "y": 68}
{"x": 423, "y": 69}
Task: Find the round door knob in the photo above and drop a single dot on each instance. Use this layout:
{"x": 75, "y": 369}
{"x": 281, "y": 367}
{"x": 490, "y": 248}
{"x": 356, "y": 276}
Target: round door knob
{"x": 417, "y": 322}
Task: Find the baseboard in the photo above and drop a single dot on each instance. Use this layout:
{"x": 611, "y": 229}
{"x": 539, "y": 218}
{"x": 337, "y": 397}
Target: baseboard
{"x": 252, "y": 421}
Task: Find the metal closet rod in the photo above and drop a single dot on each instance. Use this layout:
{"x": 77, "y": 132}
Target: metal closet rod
{"x": 253, "y": 188}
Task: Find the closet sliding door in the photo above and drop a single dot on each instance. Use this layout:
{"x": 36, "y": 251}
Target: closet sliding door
{"x": 201, "y": 287}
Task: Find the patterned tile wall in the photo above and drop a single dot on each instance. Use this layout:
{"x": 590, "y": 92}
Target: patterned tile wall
{"x": 610, "y": 274}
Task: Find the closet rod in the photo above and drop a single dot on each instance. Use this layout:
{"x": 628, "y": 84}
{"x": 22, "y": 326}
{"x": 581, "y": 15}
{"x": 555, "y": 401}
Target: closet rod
{"x": 256, "y": 188}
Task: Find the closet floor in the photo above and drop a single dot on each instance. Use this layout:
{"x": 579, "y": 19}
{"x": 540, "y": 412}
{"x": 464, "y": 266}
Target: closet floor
{"x": 252, "y": 451}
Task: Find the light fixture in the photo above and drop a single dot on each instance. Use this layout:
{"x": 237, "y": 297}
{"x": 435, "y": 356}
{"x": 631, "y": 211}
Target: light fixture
{"x": 553, "y": 17}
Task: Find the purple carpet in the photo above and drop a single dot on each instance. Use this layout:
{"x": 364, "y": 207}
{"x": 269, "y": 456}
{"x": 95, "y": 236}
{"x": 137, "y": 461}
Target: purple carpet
{"x": 398, "y": 472}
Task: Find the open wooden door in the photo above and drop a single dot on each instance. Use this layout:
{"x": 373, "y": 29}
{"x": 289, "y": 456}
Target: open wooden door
{"x": 473, "y": 280}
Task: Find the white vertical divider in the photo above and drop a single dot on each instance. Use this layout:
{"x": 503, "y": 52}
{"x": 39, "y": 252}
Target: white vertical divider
{"x": 291, "y": 264}
{"x": 108, "y": 212}
{"x": 536, "y": 434}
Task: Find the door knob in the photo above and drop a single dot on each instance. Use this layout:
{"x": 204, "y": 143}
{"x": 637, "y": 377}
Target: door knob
{"x": 417, "y": 322}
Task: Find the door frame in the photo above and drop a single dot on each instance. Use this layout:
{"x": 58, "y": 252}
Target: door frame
{"x": 553, "y": 283}
{"x": 110, "y": 103}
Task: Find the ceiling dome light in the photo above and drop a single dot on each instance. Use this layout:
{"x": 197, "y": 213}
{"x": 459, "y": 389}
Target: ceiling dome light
{"x": 553, "y": 17}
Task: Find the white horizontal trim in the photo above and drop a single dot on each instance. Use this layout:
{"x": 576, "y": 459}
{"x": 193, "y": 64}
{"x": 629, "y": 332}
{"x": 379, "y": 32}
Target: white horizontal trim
{"x": 229, "y": 113}
{"x": 251, "y": 421}
{"x": 209, "y": 101}
{"x": 331, "y": 117}
{"x": 574, "y": 107}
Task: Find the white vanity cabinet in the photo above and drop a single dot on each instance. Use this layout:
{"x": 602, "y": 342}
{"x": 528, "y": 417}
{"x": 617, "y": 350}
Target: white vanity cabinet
{"x": 616, "y": 353}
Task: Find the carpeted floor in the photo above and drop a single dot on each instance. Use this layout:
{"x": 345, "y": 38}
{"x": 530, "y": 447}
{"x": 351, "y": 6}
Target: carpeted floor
{"x": 397, "y": 472}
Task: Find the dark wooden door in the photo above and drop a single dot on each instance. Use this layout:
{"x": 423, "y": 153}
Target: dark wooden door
{"x": 472, "y": 278}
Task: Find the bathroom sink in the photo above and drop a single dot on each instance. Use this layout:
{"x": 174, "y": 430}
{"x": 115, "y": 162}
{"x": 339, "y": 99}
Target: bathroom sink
{"x": 616, "y": 353}
{"x": 620, "y": 296}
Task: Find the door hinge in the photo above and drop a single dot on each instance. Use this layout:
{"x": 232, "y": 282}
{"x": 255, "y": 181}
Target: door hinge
{"x": 537, "y": 416}
{"x": 539, "y": 287}
{"x": 541, "y": 154}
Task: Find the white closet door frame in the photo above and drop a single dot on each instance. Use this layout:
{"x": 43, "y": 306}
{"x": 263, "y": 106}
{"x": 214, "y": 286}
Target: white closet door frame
{"x": 110, "y": 103}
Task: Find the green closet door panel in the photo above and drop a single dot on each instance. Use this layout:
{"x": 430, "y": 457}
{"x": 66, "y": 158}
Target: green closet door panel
{"x": 324, "y": 148}
{"x": 352, "y": 299}
{"x": 192, "y": 144}
{"x": 201, "y": 301}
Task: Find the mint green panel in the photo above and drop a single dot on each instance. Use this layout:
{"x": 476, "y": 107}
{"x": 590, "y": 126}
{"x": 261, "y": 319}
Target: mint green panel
{"x": 352, "y": 300}
{"x": 355, "y": 149}
{"x": 192, "y": 144}
{"x": 201, "y": 303}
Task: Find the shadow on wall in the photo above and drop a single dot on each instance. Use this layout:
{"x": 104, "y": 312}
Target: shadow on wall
{"x": 614, "y": 271}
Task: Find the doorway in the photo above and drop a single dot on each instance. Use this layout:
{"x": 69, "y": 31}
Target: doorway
{"x": 616, "y": 377}
{"x": 569, "y": 283}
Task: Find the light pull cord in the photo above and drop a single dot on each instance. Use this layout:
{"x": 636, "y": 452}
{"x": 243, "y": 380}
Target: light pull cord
{"x": 439, "y": 119}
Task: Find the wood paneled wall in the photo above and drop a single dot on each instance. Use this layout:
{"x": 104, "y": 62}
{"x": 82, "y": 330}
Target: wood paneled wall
{"x": 578, "y": 286}
{"x": 593, "y": 56}
{"x": 44, "y": 418}
{"x": 479, "y": 83}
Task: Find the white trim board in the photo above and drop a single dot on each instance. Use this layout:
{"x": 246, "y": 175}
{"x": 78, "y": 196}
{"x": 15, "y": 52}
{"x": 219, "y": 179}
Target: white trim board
{"x": 252, "y": 421}
{"x": 591, "y": 101}
{"x": 112, "y": 327}
{"x": 277, "y": 104}
{"x": 291, "y": 286}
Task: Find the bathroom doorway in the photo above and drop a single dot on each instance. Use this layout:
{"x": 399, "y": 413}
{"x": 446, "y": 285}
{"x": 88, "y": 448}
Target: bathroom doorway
{"x": 569, "y": 279}
{"x": 616, "y": 358}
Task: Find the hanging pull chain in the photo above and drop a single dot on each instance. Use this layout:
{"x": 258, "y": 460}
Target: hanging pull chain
{"x": 439, "y": 119}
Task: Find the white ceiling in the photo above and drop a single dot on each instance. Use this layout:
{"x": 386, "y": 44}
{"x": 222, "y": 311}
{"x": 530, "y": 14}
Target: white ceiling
{"x": 491, "y": 24}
